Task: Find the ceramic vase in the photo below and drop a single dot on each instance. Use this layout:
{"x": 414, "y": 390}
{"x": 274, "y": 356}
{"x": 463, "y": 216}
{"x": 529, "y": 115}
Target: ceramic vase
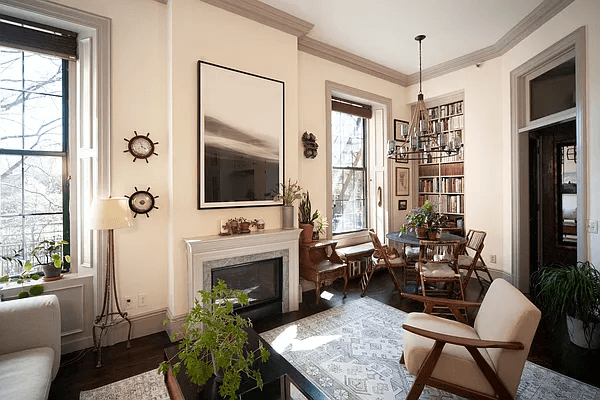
{"x": 288, "y": 217}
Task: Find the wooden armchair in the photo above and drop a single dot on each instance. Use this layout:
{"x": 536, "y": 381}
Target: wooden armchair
{"x": 484, "y": 361}
{"x": 381, "y": 259}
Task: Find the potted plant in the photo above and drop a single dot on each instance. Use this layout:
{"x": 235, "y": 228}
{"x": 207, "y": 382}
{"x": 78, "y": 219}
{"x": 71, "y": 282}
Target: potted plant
{"x": 306, "y": 218}
{"x": 319, "y": 226}
{"x": 436, "y": 222}
{"x": 288, "y": 194}
{"x": 48, "y": 255}
{"x": 572, "y": 291}
{"x": 418, "y": 220}
{"x": 24, "y": 276}
{"x": 213, "y": 342}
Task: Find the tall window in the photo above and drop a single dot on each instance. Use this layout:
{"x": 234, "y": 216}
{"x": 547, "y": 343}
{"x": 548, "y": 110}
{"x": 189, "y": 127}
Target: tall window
{"x": 33, "y": 151}
{"x": 349, "y": 172}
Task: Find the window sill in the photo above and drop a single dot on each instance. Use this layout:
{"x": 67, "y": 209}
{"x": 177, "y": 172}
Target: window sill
{"x": 10, "y": 291}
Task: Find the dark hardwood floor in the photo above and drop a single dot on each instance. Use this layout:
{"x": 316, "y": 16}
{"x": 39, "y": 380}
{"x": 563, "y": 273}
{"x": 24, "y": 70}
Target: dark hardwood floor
{"x": 78, "y": 371}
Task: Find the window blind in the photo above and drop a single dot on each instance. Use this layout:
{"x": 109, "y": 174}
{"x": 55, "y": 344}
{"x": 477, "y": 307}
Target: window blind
{"x": 351, "y": 107}
{"x": 32, "y": 36}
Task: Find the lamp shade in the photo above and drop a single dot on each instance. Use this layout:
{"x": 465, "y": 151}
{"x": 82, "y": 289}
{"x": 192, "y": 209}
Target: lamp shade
{"x": 111, "y": 213}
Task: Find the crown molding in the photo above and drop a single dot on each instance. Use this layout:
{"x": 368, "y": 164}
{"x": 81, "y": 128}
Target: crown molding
{"x": 339, "y": 56}
{"x": 536, "y": 18}
{"x": 264, "y": 14}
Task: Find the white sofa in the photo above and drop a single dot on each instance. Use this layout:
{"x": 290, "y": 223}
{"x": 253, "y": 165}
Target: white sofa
{"x": 29, "y": 347}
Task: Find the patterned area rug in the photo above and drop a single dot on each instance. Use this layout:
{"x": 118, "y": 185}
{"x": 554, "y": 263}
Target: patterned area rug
{"x": 353, "y": 352}
{"x": 147, "y": 386}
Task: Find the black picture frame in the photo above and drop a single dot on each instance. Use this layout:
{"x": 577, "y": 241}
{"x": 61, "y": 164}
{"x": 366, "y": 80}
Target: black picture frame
{"x": 398, "y": 126}
{"x": 402, "y": 205}
{"x": 241, "y": 133}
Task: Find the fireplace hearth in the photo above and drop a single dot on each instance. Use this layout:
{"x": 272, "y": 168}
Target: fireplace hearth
{"x": 261, "y": 280}
{"x": 206, "y": 254}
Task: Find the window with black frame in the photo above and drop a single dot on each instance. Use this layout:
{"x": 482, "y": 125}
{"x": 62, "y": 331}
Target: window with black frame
{"x": 34, "y": 195}
{"x": 349, "y": 125}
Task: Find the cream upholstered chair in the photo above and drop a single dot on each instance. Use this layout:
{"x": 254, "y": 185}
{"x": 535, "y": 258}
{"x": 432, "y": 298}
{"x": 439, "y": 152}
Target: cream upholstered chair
{"x": 484, "y": 361}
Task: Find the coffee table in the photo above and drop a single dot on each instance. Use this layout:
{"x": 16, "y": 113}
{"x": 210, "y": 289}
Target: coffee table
{"x": 276, "y": 372}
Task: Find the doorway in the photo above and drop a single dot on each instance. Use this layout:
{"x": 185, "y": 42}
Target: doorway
{"x": 553, "y": 199}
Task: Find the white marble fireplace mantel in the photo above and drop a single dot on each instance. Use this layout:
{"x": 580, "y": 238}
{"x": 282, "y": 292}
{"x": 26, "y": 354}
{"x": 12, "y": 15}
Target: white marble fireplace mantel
{"x": 207, "y": 252}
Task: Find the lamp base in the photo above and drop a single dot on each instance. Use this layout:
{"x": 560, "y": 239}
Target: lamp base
{"x": 108, "y": 318}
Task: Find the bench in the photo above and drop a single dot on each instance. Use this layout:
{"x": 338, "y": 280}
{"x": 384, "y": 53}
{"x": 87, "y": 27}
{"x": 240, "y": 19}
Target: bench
{"x": 356, "y": 252}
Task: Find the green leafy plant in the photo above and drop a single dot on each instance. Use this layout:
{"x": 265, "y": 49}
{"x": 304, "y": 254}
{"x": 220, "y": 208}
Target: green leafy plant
{"x": 289, "y": 193}
{"x": 321, "y": 224}
{"x": 572, "y": 290}
{"x": 49, "y": 252}
{"x": 305, "y": 214}
{"x": 23, "y": 277}
{"x": 418, "y": 218}
{"x": 213, "y": 332}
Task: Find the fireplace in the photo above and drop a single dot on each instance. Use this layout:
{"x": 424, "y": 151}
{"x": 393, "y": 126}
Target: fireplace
{"x": 208, "y": 253}
{"x": 261, "y": 280}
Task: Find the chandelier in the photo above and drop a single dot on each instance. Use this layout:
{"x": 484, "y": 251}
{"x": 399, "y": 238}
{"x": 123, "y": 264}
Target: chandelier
{"x": 420, "y": 140}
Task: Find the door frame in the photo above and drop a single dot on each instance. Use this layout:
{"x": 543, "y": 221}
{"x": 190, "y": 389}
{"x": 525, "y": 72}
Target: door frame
{"x": 520, "y": 250}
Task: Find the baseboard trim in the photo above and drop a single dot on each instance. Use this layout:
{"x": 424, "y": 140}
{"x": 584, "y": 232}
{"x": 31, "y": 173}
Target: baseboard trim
{"x": 174, "y": 326}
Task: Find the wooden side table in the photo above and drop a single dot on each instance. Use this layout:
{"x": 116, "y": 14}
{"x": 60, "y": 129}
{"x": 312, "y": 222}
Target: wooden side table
{"x": 319, "y": 263}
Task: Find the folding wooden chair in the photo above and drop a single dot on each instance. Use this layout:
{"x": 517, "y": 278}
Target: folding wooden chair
{"x": 473, "y": 263}
{"x": 438, "y": 271}
{"x": 380, "y": 259}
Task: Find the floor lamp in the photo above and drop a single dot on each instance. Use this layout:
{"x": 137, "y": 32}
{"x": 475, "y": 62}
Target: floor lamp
{"x": 110, "y": 214}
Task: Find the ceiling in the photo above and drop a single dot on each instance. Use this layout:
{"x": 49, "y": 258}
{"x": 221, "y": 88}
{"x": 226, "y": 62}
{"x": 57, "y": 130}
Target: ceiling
{"x": 383, "y": 31}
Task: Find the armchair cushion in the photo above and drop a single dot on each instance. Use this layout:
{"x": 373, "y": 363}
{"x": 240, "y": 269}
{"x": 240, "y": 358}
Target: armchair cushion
{"x": 455, "y": 365}
{"x": 31, "y": 323}
{"x": 26, "y": 374}
{"x": 507, "y": 315}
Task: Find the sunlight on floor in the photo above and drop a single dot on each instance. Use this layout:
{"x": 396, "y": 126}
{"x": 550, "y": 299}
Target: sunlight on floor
{"x": 326, "y": 295}
{"x": 288, "y": 337}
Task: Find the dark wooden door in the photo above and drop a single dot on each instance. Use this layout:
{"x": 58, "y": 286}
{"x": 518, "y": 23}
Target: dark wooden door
{"x": 554, "y": 195}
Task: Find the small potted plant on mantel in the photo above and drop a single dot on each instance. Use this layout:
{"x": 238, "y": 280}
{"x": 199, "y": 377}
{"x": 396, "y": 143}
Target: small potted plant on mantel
{"x": 213, "y": 342}
{"x": 289, "y": 194}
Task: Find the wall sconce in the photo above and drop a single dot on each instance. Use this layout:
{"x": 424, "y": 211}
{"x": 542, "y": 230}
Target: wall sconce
{"x": 310, "y": 145}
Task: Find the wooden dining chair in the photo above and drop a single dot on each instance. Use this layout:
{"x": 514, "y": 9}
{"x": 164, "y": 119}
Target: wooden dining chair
{"x": 473, "y": 262}
{"x": 382, "y": 258}
{"x": 437, "y": 265}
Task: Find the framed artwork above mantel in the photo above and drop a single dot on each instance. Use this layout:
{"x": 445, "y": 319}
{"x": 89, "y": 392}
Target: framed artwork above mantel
{"x": 240, "y": 137}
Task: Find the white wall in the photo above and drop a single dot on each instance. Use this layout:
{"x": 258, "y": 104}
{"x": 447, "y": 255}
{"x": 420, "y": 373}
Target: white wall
{"x": 204, "y": 32}
{"x": 579, "y": 13}
{"x": 313, "y": 73}
{"x": 155, "y": 49}
{"x": 139, "y": 102}
{"x": 488, "y": 158}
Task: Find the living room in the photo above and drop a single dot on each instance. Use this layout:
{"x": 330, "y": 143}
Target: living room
{"x": 146, "y": 81}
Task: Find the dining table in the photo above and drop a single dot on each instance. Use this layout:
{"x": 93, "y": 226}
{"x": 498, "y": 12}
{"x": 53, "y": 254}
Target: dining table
{"x": 410, "y": 238}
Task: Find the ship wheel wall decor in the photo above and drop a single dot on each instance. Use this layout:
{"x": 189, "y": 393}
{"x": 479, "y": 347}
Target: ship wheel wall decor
{"x": 142, "y": 202}
{"x": 140, "y": 146}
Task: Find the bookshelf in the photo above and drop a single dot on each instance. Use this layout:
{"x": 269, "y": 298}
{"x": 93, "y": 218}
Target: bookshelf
{"x": 442, "y": 181}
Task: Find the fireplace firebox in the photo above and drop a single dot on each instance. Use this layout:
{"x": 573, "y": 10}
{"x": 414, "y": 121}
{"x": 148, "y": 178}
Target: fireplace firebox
{"x": 261, "y": 280}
